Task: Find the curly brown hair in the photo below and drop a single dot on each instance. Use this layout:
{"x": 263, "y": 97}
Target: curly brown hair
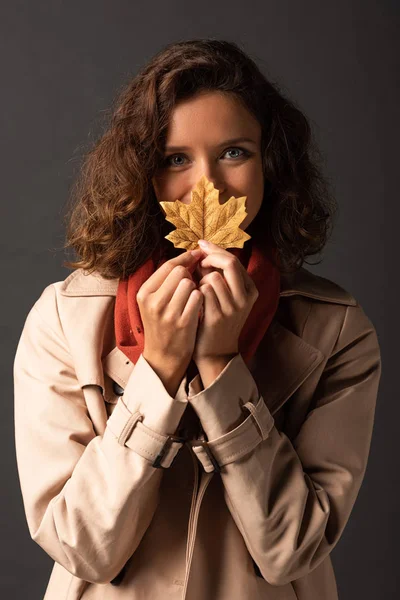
{"x": 115, "y": 221}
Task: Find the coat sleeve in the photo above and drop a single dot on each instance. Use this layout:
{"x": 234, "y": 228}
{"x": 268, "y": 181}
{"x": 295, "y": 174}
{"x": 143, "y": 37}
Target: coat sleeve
{"x": 88, "y": 498}
{"x": 292, "y": 499}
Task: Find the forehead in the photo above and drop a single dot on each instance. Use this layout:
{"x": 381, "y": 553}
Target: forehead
{"x": 211, "y": 115}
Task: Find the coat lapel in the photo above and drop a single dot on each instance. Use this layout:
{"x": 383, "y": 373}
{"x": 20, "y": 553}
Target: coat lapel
{"x": 282, "y": 363}
{"x": 285, "y": 360}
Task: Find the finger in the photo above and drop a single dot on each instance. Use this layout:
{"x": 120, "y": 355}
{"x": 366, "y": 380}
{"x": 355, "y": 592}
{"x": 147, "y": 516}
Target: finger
{"x": 193, "y": 306}
{"x": 178, "y": 284}
{"x": 209, "y": 247}
{"x": 221, "y": 290}
{"x": 200, "y": 272}
{"x": 234, "y": 273}
{"x": 181, "y": 293}
{"x": 210, "y": 301}
{"x": 187, "y": 259}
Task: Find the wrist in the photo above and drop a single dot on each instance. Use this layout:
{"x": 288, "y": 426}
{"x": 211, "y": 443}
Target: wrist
{"x": 212, "y": 366}
{"x": 219, "y": 359}
{"x": 171, "y": 373}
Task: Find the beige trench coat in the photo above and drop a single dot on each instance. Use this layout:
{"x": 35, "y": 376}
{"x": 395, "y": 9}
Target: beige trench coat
{"x": 252, "y": 514}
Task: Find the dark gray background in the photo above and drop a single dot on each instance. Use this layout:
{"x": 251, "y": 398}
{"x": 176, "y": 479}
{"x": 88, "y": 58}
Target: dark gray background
{"x": 62, "y": 63}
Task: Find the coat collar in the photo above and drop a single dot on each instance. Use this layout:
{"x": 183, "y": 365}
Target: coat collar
{"x": 285, "y": 360}
{"x": 302, "y": 282}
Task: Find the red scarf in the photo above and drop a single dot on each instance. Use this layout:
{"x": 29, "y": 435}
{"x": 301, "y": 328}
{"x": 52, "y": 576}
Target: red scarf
{"x": 255, "y": 256}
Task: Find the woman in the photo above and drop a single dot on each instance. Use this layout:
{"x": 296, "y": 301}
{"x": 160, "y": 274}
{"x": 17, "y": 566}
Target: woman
{"x": 195, "y": 425}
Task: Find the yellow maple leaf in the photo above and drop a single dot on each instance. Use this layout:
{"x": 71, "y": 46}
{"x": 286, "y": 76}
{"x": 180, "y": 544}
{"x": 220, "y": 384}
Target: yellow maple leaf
{"x": 205, "y": 218}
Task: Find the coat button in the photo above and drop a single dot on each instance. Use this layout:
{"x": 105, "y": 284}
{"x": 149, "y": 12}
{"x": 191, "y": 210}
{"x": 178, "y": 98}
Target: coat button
{"x": 117, "y": 389}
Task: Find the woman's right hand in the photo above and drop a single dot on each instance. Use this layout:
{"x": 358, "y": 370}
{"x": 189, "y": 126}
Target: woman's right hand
{"x": 169, "y": 304}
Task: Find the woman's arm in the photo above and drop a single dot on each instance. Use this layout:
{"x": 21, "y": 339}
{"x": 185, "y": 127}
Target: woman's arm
{"x": 292, "y": 500}
{"x": 88, "y": 498}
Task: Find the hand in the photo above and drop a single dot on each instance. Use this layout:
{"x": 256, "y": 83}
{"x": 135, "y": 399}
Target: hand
{"x": 169, "y": 306}
{"x": 229, "y": 294}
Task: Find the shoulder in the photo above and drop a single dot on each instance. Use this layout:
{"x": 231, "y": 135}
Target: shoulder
{"x": 78, "y": 284}
{"x": 324, "y": 312}
{"x": 78, "y": 291}
{"x": 310, "y": 285}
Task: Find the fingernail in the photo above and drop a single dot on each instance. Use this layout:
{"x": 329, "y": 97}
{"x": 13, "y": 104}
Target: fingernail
{"x": 203, "y": 243}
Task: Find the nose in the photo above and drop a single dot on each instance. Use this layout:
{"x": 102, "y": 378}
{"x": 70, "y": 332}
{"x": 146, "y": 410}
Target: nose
{"x": 211, "y": 172}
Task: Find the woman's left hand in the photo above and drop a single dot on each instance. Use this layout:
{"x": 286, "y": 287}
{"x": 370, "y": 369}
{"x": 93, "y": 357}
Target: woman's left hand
{"x": 229, "y": 294}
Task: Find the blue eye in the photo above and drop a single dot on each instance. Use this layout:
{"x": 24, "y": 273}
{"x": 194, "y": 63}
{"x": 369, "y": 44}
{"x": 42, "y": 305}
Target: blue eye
{"x": 172, "y": 157}
{"x": 245, "y": 153}
{"x": 168, "y": 161}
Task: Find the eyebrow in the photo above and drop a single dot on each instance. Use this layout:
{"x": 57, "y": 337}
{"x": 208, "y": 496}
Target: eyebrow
{"x": 225, "y": 143}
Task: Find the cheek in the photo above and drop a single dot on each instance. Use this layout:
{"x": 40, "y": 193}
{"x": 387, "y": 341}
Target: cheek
{"x": 169, "y": 189}
{"x": 255, "y": 187}
{"x": 160, "y": 187}
{"x": 254, "y": 184}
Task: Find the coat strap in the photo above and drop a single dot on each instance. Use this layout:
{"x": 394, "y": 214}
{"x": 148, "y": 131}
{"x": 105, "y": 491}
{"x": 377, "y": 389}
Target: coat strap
{"x": 129, "y": 431}
{"x": 228, "y": 448}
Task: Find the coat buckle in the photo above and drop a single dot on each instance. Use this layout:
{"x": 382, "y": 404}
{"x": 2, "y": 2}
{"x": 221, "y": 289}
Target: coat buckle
{"x": 170, "y": 439}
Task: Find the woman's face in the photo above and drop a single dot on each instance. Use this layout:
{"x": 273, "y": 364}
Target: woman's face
{"x": 202, "y": 140}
